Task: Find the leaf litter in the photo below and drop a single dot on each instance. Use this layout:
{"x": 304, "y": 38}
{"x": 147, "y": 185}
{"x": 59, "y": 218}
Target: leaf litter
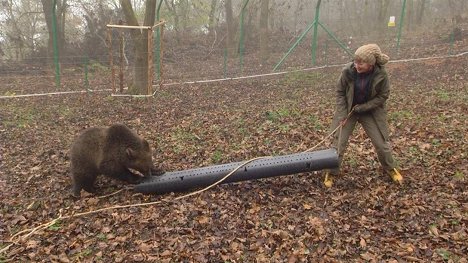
{"x": 364, "y": 217}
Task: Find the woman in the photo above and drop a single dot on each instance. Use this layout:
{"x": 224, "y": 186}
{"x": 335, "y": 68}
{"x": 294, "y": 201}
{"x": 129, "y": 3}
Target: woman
{"x": 361, "y": 94}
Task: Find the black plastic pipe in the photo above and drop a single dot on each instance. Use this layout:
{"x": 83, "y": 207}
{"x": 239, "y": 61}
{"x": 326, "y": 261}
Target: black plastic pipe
{"x": 267, "y": 167}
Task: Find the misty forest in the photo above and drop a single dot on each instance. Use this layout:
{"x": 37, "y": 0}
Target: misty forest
{"x": 203, "y": 84}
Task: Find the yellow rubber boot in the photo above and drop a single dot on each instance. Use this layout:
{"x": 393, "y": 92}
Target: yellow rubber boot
{"x": 396, "y": 176}
{"x": 328, "y": 181}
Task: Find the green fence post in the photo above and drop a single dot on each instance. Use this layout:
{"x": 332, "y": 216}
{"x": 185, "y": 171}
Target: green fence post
{"x": 86, "y": 63}
{"x": 241, "y": 40}
{"x": 314, "y": 39}
{"x": 400, "y": 26}
{"x": 336, "y": 39}
{"x": 315, "y": 25}
{"x": 294, "y": 46}
{"x": 326, "y": 52}
{"x": 452, "y": 41}
{"x": 55, "y": 45}
{"x": 225, "y": 63}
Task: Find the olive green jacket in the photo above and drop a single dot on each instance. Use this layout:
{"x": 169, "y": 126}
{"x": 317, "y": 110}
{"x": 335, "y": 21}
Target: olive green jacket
{"x": 380, "y": 90}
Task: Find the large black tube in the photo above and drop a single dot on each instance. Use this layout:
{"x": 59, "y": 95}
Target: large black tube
{"x": 261, "y": 168}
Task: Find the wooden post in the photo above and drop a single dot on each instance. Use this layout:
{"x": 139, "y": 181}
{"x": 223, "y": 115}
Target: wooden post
{"x": 109, "y": 36}
{"x": 121, "y": 69}
{"x": 150, "y": 62}
{"x": 161, "y": 54}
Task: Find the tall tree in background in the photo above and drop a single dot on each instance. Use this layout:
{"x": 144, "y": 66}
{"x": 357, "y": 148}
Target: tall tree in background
{"x": 14, "y": 35}
{"x": 61, "y": 10}
{"x": 421, "y": 9}
{"x": 172, "y": 7}
{"x": 140, "y": 42}
{"x": 230, "y": 44}
{"x": 264, "y": 14}
{"x": 211, "y": 16}
{"x": 97, "y": 15}
{"x": 383, "y": 13}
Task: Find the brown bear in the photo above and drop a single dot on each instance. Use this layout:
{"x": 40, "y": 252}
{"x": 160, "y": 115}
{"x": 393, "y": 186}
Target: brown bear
{"x": 111, "y": 151}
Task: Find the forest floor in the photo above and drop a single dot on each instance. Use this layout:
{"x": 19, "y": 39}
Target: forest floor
{"x": 294, "y": 218}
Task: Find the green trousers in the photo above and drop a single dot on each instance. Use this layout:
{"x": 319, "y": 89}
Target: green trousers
{"x": 382, "y": 147}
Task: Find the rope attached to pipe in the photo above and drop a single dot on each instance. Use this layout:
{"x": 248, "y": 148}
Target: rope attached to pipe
{"x": 24, "y": 234}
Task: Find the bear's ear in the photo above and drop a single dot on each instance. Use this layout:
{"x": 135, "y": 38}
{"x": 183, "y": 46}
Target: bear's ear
{"x": 131, "y": 154}
{"x": 146, "y": 144}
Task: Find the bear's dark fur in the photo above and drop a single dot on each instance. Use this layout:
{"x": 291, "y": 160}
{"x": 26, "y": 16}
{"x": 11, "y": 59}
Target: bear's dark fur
{"x": 110, "y": 151}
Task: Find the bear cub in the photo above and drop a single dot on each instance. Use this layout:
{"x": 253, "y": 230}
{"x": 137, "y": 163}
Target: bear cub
{"x": 110, "y": 151}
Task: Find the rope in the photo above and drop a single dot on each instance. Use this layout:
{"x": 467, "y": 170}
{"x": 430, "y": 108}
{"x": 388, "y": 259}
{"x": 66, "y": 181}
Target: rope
{"x": 223, "y": 79}
{"x": 340, "y": 126}
{"x": 22, "y": 235}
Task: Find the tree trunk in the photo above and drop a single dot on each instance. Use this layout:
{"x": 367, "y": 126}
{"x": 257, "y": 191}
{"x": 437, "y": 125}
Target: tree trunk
{"x": 211, "y": 16}
{"x": 171, "y": 6}
{"x": 184, "y": 14}
{"x": 47, "y": 7}
{"x": 264, "y": 12}
{"x": 140, "y": 41}
{"x": 421, "y": 8}
{"x": 365, "y": 15}
{"x": 15, "y": 35}
{"x": 230, "y": 44}
{"x": 61, "y": 15}
{"x": 410, "y": 15}
{"x": 383, "y": 11}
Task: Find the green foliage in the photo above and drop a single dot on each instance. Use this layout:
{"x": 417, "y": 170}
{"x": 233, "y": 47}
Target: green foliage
{"x": 182, "y": 135}
{"x": 272, "y": 116}
{"x": 284, "y": 127}
{"x": 217, "y": 156}
{"x": 443, "y": 95}
{"x": 301, "y": 79}
{"x": 102, "y": 236}
{"x": 184, "y": 140}
{"x": 436, "y": 142}
{"x": 95, "y": 66}
{"x": 56, "y": 226}
{"x": 315, "y": 122}
{"x": 459, "y": 175}
{"x": 65, "y": 111}
{"x": 84, "y": 253}
{"x": 22, "y": 118}
{"x": 446, "y": 255}
{"x": 242, "y": 127}
{"x": 281, "y": 113}
{"x": 353, "y": 162}
{"x": 402, "y": 115}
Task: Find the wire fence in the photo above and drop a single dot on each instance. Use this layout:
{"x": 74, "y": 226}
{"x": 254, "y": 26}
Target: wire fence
{"x": 204, "y": 57}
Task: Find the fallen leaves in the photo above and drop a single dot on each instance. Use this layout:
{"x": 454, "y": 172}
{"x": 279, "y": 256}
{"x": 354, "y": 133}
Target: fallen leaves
{"x": 285, "y": 219}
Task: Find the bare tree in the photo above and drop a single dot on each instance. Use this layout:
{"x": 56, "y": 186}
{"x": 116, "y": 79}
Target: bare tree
{"x": 264, "y": 13}
{"x": 172, "y": 7}
{"x": 230, "y": 44}
{"x": 13, "y": 34}
{"x": 96, "y": 15}
{"x": 61, "y": 10}
{"x": 140, "y": 42}
{"x": 421, "y": 9}
{"x": 383, "y": 12}
{"x": 211, "y": 16}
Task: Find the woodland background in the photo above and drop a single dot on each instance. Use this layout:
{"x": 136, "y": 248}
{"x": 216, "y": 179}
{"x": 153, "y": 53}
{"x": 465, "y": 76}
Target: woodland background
{"x": 201, "y": 34}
